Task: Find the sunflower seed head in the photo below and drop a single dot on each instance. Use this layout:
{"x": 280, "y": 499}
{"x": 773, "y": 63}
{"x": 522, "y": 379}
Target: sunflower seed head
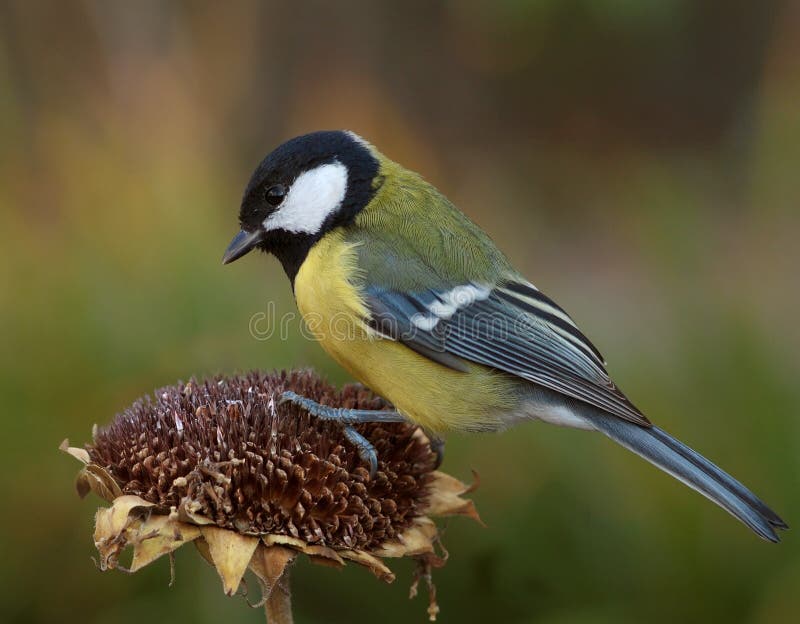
{"x": 253, "y": 483}
{"x": 225, "y": 450}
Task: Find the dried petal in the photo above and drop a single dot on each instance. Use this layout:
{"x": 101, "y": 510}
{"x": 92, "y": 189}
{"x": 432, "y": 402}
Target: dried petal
{"x": 157, "y": 536}
{"x": 231, "y": 553}
{"x": 323, "y": 554}
{"x": 371, "y": 562}
{"x": 445, "y": 498}
{"x": 268, "y": 564}
{"x": 418, "y": 539}
{"x": 82, "y": 455}
{"x": 96, "y": 479}
{"x": 111, "y": 525}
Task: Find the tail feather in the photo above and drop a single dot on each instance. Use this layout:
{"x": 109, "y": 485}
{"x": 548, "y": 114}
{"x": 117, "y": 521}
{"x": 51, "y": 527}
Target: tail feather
{"x": 661, "y": 449}
{"x": 720, "y": 475}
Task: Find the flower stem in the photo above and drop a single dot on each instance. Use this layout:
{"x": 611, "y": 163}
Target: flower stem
{"x": 278, "y": 607}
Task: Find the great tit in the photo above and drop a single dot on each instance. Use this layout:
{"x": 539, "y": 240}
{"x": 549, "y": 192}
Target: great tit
{"x": 416, "y": 302}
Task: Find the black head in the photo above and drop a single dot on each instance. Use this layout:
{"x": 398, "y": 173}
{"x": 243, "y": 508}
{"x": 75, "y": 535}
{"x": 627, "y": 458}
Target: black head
{"x": 306, "y": 187}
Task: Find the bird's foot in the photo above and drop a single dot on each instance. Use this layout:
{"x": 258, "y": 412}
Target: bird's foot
{"x": 347, "y": 417}
{"x": 341, "y": 414}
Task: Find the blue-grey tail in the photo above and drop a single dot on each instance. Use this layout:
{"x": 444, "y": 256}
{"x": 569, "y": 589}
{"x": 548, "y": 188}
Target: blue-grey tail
{"x": 661, "y": 449}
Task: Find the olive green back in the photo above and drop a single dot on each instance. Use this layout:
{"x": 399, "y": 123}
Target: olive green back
{"x": 412, "y": 238}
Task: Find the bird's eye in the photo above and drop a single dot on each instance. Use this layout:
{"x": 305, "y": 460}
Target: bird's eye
{"x": 274, "y": 194}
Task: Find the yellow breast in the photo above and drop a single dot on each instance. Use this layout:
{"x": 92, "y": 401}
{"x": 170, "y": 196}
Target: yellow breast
{"x": 329, "y": 296}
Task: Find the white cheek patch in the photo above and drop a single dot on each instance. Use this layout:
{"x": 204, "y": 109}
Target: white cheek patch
{"x": 315, "y": 195}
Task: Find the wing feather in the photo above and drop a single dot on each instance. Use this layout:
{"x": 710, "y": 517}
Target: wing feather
{"x": 511, "y": 327}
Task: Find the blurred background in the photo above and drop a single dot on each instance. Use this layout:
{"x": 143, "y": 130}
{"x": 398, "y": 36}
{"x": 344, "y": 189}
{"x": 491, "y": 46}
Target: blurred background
{"x": 638, "y": 160}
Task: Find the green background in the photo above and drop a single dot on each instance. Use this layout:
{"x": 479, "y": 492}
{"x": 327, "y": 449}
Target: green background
{"x": 638, "y": 161}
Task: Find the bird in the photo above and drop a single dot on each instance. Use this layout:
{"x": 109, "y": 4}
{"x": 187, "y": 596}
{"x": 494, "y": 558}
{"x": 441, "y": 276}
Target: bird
{"x": 416, "y": 302}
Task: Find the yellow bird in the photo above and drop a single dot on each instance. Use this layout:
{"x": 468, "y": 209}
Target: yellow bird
{"x": 416, "y": 302}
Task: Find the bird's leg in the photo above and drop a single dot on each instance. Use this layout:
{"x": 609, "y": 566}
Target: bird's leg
{"x": 348, "y": 417}
{"x": 341, "y": 414}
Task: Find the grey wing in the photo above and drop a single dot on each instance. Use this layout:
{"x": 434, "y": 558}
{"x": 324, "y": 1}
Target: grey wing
{"x": 511, "y": 327}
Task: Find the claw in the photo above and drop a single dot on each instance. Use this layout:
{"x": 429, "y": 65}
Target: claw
{"x": 437, "y": 446}
{"x": 365, "y": 450}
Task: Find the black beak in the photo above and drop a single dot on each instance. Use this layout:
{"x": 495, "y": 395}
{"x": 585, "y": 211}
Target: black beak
{"x": 241, "y": 245}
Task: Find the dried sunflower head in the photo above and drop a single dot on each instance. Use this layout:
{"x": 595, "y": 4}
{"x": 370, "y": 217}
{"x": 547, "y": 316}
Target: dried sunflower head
{"x": 253, "y": 483}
